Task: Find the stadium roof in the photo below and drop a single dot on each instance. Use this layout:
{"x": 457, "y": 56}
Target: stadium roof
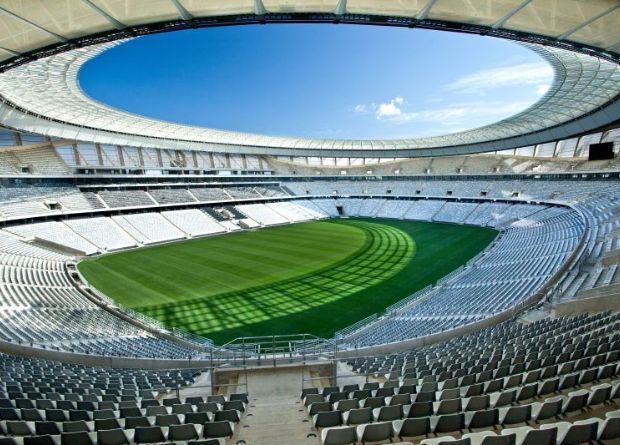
{"x": 43, "y": 45}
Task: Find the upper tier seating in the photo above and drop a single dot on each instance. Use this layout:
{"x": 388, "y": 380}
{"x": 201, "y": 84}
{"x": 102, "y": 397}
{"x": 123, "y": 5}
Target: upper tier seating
{"x": 193, "y": 222}
{"x": 262, "y": 214}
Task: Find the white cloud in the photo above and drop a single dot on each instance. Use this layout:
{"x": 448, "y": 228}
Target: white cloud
{"x": 542, "y": 89}
{"x": 459, "y": 116}
{"x": 361, "y": 108}
{"x": 538, "y": 73}
{"x": 390, "y": 109}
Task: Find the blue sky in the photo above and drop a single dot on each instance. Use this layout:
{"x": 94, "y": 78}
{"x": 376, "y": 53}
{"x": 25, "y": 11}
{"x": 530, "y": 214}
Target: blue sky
{"x": 326, "y": 81}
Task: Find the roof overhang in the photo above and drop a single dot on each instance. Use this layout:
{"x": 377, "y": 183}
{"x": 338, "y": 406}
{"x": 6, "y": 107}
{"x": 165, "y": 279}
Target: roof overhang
{"x": 40, "y": 92}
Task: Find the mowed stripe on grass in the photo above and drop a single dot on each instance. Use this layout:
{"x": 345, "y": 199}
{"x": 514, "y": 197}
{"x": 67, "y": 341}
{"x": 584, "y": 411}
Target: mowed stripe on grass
{"x": 208, "y": 266}
{"x": 312, "y": 277}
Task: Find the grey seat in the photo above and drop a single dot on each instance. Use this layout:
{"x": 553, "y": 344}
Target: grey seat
{"x": 515, "y": 414}
{"x": 358, "y": 416}
{"x": 46, "y": 427}
{"x": 104, "y": 414}
{"x": 336, "y": 396}
{"x": 576, "y": 401}
{"x": 482, "y": 419}
{"x": 578, "y": 432}
{"x": 148, "y": 434}
{"x": 230, "y": 415}
{"x": 130, "y": 412}
{"x": 217, "y": 399}
{"x": 199, "y": 418}
{"x": 171, "y": 401}
{"x": 374, "y": 432}
{"x": 346, "y": 405}
{"x": 447, "y": 423}
{"x": 112, "y": 437}
{"x": 388, "y": 413}
{"x": 218, "y": 429}
{"x": 76, "y": 438}
{"x": 447, "y": 406}
{"x": 196, "y": 400}
{"x": 184, "y": 408}
{"x": 547, "y": 409}
{"x": 609, "y": 428}
{"x": 134, "y": 422}
{"x": 374, "y": 402}
{"x": 18, "y": 428}
{"x": 598, "y": 394}
{"x": 156, "y": 410}
{"x": 529, "y": 436}
{"x": 39, "y": 440}
{"x": 243, "y": 397}
{"x": 167, "y": 420}
{"x": 208, "y": 407}
{"x": 30, "y": 414}
{"x": 326, "y": 419}
{"x": 75, "y": 426}
{"x": 313, "y": 398}
{"x": 106, "y": 424}
{"x": 400, "y": 399}
{"x": 412, "y": 427}
{"x": 340, "y": 435}
{"x": 318, "y": 407}
{"x": 182, "y": 432}
{"x": 490, "y": 438}
{"x": 420, "y": 409}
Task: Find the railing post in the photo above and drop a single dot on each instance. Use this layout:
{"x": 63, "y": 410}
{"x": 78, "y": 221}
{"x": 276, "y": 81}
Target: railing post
{"x": 335, "y": 361}
{"x": 273, "y": 350}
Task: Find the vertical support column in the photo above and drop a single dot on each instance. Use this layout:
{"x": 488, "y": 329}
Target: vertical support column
{"x": 99, "y": 155}
{"x": 121, "y": 155}
{"x": 76, "y": 155}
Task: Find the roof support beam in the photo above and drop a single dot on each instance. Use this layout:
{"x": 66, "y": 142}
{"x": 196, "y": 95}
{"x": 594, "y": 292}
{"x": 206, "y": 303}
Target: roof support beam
{"x": 10, "y": 51}
{"x": 184, "y": 13}
{"x": 587, "y": 22}
{"x": 259, "y": 8}
{"x": 613, "y": 45}
{"x": 118, "y": 25}
{"x": 427, "y": 8}
{"x": 508, "y": 16}
{"x": 33, "y": 25}
{"x": 341, "y": 7}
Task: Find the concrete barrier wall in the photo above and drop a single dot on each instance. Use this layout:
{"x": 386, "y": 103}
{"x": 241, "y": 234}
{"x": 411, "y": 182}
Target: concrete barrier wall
{"x": 608, "y": 302}
{"x": 99, "y": 360}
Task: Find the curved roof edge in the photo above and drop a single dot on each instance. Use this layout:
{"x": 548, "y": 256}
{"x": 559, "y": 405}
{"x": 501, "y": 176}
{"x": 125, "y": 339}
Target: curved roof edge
{"x": 26, "y": 116}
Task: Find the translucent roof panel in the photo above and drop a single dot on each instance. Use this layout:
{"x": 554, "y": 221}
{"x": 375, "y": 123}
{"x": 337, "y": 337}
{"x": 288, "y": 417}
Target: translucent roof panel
{"x": 603, "y": 33}
{"x": 483, "y": 12}
{"x": 296, "y": 6}
{"x": 17, "y": 35}
{"x": 404, "y": 8}
{"x": 75, "y": 19}
{"x": 133, "y": 12}
{"x": 556, "y": 17}
{"x": 49, "y": 87}
{"x": 199, "y": 8}
{"x": 593, "y": 22}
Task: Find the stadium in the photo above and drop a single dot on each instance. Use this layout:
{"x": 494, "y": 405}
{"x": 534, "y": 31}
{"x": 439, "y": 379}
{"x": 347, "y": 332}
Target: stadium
{"x": 183, "y": 284}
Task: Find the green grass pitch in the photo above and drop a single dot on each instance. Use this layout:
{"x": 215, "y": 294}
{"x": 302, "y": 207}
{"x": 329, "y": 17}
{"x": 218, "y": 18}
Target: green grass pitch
{"x": 315, "y": 277}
